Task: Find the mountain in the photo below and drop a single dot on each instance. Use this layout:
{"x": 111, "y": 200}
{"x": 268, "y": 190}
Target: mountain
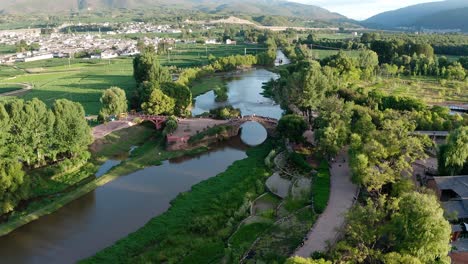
{"x": 263, "y": 7}
{"x": 420, "y": 15}
{"x": 450, "y": 19}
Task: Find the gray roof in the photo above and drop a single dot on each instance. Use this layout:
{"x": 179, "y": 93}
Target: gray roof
{"x": 458, "y": 184}
{"x": 460, "y": 207}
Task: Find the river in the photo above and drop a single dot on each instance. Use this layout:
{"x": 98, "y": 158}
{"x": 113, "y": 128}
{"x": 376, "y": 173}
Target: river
{"x": 101, "y": 217}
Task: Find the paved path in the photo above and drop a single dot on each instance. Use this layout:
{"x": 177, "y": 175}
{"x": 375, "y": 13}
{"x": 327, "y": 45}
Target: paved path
{"x": 342, "y": 192}
{"x": 26, "y": 88}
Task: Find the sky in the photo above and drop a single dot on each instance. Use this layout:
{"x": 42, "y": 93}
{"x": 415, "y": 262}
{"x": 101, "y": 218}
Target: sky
{"x": 361, "y": 9}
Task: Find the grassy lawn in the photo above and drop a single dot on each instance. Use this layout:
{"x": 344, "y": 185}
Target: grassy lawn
{"x": 5, "y": 88}
{"x": 197, "y": 225}
{"x": 204, "y": 85}
{"x": 321, "y": 188}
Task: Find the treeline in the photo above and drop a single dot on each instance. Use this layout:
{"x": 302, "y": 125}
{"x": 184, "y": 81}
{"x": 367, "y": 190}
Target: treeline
{"x": 32, "y": 136}
{"x": 378, "y": 130}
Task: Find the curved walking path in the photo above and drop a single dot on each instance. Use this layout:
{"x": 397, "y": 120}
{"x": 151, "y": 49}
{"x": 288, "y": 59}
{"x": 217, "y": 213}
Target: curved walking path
{"x": 26, "y": 87}
{"x": 342, "y": 193}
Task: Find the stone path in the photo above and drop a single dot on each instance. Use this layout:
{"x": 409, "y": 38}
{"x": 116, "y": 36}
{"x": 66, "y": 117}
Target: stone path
{"x": 342, "y": 193}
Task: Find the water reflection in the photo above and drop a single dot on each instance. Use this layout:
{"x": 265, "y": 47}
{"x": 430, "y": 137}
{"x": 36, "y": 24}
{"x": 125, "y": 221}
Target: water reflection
{"x": 101, "y": 217}
{"x": 253, "y": 133}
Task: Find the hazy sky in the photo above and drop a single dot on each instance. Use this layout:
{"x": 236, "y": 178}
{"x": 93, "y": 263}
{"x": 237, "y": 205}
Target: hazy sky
{"x": 361, "y": 9}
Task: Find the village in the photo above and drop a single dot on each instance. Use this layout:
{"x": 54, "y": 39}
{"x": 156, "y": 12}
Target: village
{"x": 63, "y": 42}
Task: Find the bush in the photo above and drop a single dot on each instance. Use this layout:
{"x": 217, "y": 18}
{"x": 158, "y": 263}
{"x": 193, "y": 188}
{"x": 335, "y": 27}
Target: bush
{"x": 299, "y": 161}
{"x": 217, "y": 130}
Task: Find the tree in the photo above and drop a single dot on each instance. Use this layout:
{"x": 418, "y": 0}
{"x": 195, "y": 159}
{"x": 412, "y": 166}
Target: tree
{"x": 114, "y": 102}
{"x": 71, "y": 134}
{"x": 368, "y": 61}
{"x": 292, "y": 127}
{"x": 181, "y": 94}
{"x": 315, "y": 87}
{"x": 419, "y": 228}
{"x": 147, "y": 68}
{"x": 31, "y": 130}
{"x": 158, "y": 103}
{"x": 170, "y": 125}
{"x": 410, "y": 228}
{"x": 455, "y": 155}
{"x": 14, "y": 187}
{"x": 456, "y": 72}
{"x": 4, "y": 130}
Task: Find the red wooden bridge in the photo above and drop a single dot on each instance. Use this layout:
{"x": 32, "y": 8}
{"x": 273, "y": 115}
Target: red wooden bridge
{"x": 158, "y": 121}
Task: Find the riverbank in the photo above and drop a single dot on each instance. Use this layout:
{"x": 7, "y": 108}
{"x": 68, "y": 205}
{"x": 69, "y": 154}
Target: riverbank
{"x": 151, "y": 151}
{"x": 197, "y": 225}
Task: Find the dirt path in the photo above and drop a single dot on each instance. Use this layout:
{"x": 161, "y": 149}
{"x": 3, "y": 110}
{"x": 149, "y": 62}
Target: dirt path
{"x": 342, "y": 194}
{"x": 105, "y": 129}
{"x": 26, "y": 88}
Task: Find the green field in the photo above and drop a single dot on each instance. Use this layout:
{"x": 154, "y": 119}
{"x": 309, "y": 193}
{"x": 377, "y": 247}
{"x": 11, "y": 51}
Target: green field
{"x": 191, "y": 55}
{"x": 428, "y": 89}
{"x": 84, "y": 80}
{"x": 5, "y": 88}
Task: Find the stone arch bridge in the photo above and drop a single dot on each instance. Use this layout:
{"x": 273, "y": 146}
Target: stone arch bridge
{"x": 268, "y": 123}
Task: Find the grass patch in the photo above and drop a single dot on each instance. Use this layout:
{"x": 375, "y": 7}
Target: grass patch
{"x": 204, "y": 85}
{"x": 244, "y": 237}
{"x": 198, "y": 221}
{"x": 217, "y": 130}
{"x": 321, "y": 188}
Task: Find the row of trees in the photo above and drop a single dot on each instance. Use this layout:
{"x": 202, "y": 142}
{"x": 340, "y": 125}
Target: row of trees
{"x": 33, "y": 135}
{"x": 409, "y": 225}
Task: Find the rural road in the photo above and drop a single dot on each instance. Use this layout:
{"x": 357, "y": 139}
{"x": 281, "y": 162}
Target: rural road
{"x": 26, "y": 87}
{"x": 342, "y": 194}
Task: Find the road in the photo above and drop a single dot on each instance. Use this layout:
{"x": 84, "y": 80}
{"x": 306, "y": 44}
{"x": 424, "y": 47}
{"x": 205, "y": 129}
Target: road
{"x": 342, "y": 196}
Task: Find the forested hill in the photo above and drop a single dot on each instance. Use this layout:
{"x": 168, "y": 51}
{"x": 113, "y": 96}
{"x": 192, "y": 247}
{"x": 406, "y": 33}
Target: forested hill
{"x": 264, "y": 7}
{"x": 421, "y": 15}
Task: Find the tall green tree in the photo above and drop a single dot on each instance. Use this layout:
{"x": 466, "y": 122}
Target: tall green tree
{"x": 181, "y": 94}
{"x": 292, "y": 127}
{"x": 158, "y": 104}
{"x": 114, "y": 102}
{"x": 146, "y": 67}
{"x": 14, "y": 186}
{"x": 72, "y": 134}
{"x": 455, "y": 155}
{"x": 31, "y": 126}
{"x": 4, "y": 130}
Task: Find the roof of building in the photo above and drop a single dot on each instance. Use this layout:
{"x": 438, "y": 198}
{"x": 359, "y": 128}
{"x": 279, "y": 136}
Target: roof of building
{"x": 459, "y": 207}
{"x": 458, "y": 184}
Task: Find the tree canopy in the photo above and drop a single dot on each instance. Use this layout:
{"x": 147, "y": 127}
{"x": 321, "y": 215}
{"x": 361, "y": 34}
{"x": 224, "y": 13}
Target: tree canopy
{"x": 114, "y": 102}
{"x": 292, "y": 127}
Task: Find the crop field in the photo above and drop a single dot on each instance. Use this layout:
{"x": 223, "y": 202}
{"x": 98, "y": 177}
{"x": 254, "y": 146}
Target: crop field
{"x": 84, "y": 80}
{"x": 81, "y": 81}
{"x": 426, "y": 89}
{"x": 190, "y": 55}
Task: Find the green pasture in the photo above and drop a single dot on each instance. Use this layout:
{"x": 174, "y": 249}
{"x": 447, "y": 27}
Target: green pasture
{"x": 5, "y": 88}
{"x": 84, "y": 80}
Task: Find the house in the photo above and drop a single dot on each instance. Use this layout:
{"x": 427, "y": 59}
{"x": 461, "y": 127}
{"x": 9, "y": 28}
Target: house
{"x": 231, "y": 42}
{"x": 452, "y": 191}
{"x": 109, "y": 54}
{"x": 36, "y": 58}
{"x": 453, "y": 194}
